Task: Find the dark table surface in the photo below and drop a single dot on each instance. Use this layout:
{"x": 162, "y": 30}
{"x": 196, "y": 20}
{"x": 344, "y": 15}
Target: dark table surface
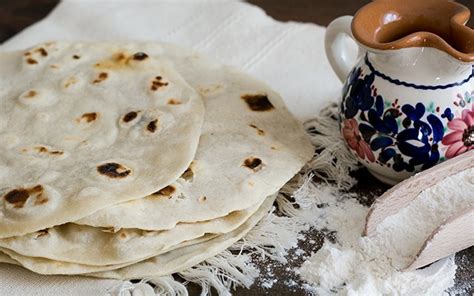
{"x": 18, "y": 14}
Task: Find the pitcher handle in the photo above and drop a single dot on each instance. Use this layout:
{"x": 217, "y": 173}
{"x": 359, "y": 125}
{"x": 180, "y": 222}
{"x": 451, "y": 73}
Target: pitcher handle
{"x": 338, "y": 53}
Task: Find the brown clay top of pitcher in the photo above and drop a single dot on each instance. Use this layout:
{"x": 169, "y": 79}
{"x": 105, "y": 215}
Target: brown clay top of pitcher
{"x": 395, "y": 24}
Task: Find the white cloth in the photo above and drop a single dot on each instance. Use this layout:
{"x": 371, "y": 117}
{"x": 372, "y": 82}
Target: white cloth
{"x": 288, "y": 56}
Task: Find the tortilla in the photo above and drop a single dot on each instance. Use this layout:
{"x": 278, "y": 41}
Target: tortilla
{"x": 4, "y": 258}
{"x": 249, "y": 148}
{"x": 99, "y": 247}
{"x": 52, "y": 267}
{"x": 177, "y": 260}
{"x": 184, "y": 258}
{"x": 87, "y": 125}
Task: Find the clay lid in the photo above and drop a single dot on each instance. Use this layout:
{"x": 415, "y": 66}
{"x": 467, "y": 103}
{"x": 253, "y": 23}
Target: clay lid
{"x": 395, "y": 24}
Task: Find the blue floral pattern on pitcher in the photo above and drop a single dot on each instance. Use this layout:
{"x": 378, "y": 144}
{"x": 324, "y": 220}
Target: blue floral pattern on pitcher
{"x": 402, "y": 136}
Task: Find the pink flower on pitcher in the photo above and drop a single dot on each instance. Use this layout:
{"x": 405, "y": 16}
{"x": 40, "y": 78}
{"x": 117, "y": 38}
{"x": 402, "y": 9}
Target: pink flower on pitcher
{"x": 462, "y": 137}
{"x": 351, "y": 134}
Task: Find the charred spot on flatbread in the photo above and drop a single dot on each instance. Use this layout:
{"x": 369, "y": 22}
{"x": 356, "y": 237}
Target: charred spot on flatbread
{"x": 157, "y": 83}
{"x": 31, "y": 61}
{"x": 260, "y": 131}
{"x": 88, "y": 117}
{"x": 44, "y": 150}
{"x": 42, "y": 51}
{"x": 31, "y": 94}
{"x": 41, "y": 233}
{"x": 130, "y": 116}
{"x": 258, "y": 102}
{"x": 188, "y": 174}
{"x": 101, "y": 77}
{"x": 174, "y": 102}
{"x": 113, "y": 170}
{"x": 166, "y": 191}
{"x": 18, "y": 197}
{"x": 152, "y": 126}
{"x": 140, "y": 56}
{"x": 253, "y": 163}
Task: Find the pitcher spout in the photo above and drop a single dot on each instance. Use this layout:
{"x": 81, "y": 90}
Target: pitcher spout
{"x": 397, "y": 24}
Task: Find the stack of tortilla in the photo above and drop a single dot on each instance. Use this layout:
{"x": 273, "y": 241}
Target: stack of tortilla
{"x": 134, "y": 160}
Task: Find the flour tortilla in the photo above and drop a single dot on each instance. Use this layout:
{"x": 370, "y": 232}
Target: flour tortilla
{"x": 98, "y": 247}
{"x": 52, "y": 267}
{"x": 184, "y": 258}
{"x": 70, "y": 143}
{"x": 249, "y": 148}
{"x": 4, "y": 258}
{"x": 165, "y": 264}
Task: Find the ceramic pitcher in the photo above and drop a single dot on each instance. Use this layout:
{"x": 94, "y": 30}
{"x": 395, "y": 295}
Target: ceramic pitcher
{"x": 408, "y": 103}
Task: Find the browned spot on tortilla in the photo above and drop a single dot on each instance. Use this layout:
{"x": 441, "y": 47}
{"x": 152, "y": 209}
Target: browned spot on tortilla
{"x": 140, "y": 56}
{"x": 202, "y": 199}
{"x": 152, "y": 125}
{"x": 54, "y": 66}
{"x": 71, "y": 80}
{"x": 167, "y": 191}
{"x": 31, "y": 94}
{"x": 188, "y": 174}
{"x": 89, "y": 117}
{"x": 113, "y": 170}
{"x": 118, "y": 57}
{"x": 274, "y": 148}
{"x": 42, "y": 51}
{"x": 130, "y": 116}
{"x": 119, "y": 60}
{"x": 18, "y": 197}
{"x": 123, "y": 235}
{"x": 31, "y": 61}
{"x": 42, "y": 149}
{"x": 258, "y": 102}
{"x": 174, "y": 102}
{"x": 253, "y": 163}
{"x": 259, "y": 131}
{"x": 157, "y": 83}
{"x": 76, "y": 57}
{"x": 40, "y": 199}
{"x": 102, "y": 76}
{"x": 41, "y": 233}
{"x": 27, "y": 54}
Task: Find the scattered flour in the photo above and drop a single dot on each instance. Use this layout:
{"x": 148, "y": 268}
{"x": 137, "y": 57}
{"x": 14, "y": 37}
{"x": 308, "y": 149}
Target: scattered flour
{"x": 356, "y": 265}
